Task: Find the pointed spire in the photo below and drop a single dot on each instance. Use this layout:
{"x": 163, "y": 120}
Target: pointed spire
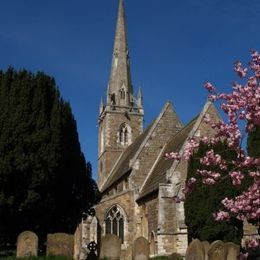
{"x": 139, "y": 98}
{"x": 120, "y": 86}
{"x": 140, "y": 101}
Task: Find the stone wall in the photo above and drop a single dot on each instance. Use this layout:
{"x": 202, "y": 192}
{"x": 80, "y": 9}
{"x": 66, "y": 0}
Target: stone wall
{"x": 108, "y": 130}
{"x": 152, "y": 216}
{"x": 166, "y": 220}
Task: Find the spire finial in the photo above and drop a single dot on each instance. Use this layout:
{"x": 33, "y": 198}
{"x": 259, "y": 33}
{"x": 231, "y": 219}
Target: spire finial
{"x": 101, "y": 106}
{"x": 140, "y": 99}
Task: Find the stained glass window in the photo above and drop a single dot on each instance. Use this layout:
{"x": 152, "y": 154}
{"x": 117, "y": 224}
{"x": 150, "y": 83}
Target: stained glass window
{"x": 115, "y": 223}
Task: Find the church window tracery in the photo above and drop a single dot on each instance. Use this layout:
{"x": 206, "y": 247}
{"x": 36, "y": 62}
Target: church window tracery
{"x": 124, "y": 134}
{"x": 115, "y": 222}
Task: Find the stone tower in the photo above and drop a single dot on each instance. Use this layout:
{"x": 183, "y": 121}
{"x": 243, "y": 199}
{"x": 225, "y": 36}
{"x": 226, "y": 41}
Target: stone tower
{"x": 121, "y": 117}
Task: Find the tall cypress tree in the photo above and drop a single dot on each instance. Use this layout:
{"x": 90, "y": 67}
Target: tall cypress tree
{"x": 45, "y": 183}
{"x": 205, "y": 200}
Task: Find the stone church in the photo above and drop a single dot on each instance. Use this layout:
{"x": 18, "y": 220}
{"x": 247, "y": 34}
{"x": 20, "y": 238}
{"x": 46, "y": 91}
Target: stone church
{"x": 136, "y": 181}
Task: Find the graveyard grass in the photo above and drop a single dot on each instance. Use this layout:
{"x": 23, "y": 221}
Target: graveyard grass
{"x": 39, "y": 258}
{"x": 65, "y": 258}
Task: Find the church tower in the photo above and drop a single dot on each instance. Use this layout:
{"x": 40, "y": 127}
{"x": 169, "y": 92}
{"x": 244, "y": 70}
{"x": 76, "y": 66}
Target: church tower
{"x": 121, "y": 116}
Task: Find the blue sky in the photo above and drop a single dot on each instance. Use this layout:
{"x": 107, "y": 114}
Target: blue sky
{"x": 175, "y": 46}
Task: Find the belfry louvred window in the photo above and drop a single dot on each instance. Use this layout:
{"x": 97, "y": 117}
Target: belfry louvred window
{"x": 124, "y": 134}
{"x": 115, "y": 223}
{"x": 122, "y": 93}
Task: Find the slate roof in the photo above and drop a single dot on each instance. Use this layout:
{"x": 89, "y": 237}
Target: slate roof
{"x": 122, "y": 165}
{"x": 158, "y": 174}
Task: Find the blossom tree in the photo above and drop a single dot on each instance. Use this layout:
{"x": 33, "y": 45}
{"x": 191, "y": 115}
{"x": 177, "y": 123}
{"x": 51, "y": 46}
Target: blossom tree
{"x": 242, "y": 110}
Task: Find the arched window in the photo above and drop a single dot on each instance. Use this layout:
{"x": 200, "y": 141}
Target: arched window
{"x": 122, "y": 93}
{"x": 124, "y": 134}
{"x": 115, "y": 222}
{"x": 113, "y": 99}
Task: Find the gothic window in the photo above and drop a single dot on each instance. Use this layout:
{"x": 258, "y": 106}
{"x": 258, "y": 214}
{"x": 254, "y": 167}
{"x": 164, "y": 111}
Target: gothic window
{"x": 124, "y": 134}
{"x": 115, "y": 223}
{"x": 113, "y": 99}
{"x": 122, "y": 93}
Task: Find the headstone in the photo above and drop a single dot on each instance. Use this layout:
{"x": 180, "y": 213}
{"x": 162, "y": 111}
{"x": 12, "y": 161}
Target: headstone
{"x": 27, "y": 244}
{"x": 233, "y": 251}
{"x": 60, "y": 244}
{"x": 93, "y": 229}
{"x": 195, "y": 251}
{"x": 110, "y": 247}
{"x": 206, "y": 245}
{"x": 92, "y": 247}
{"x": 141, "y": 249}
{"x": 217, "y": 251}
{"x": 77, "y": 241}
{"x": 175, "y": 256}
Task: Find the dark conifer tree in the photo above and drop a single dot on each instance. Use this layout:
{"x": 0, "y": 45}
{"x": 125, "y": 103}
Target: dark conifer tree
{"x": 253, "y": 143}
{"x": 206, "y": 200}
{"x": 45, "y": 183}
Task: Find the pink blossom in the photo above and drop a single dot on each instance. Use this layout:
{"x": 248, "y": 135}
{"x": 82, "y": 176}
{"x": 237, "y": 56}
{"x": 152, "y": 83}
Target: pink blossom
{"x": 243, "y": 256}
{"x": 221, "y": 215}
{"x": 209, "y": 87}
{"x": 240, "y": 70}
{"x": 236, "y": 177}
{"x": 207, "y": 118}
{"x": 252, "y": 243}
{"x": 242, "y": 109}
{"x": 173, "y": 156}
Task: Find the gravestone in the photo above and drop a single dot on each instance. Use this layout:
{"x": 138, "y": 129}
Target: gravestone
{"x": 60, "y": 244}
{"x": 217, "y": 251}
{"x": 77, "y": 241}
{"x": 195, "y": 251}
{"x": 110, "y": 247}
{"x": 92, "y": 247}
{"x": 233, "y": 251}
{"x": 27, "y": 244}
{"x": 175, "y": 256}
{"x": 206, "y": 245}
{"x": 141, "y": 249}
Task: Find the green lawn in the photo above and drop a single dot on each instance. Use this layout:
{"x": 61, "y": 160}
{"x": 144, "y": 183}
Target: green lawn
{"x": 38, "y": 258}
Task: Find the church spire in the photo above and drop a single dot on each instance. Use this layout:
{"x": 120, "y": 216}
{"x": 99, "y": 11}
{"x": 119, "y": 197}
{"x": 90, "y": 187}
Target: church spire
{"x": 120, "y": 92}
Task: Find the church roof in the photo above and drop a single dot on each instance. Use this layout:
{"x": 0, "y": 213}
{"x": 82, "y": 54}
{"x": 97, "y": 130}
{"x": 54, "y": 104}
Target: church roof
{"x": 158, "y": 172}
